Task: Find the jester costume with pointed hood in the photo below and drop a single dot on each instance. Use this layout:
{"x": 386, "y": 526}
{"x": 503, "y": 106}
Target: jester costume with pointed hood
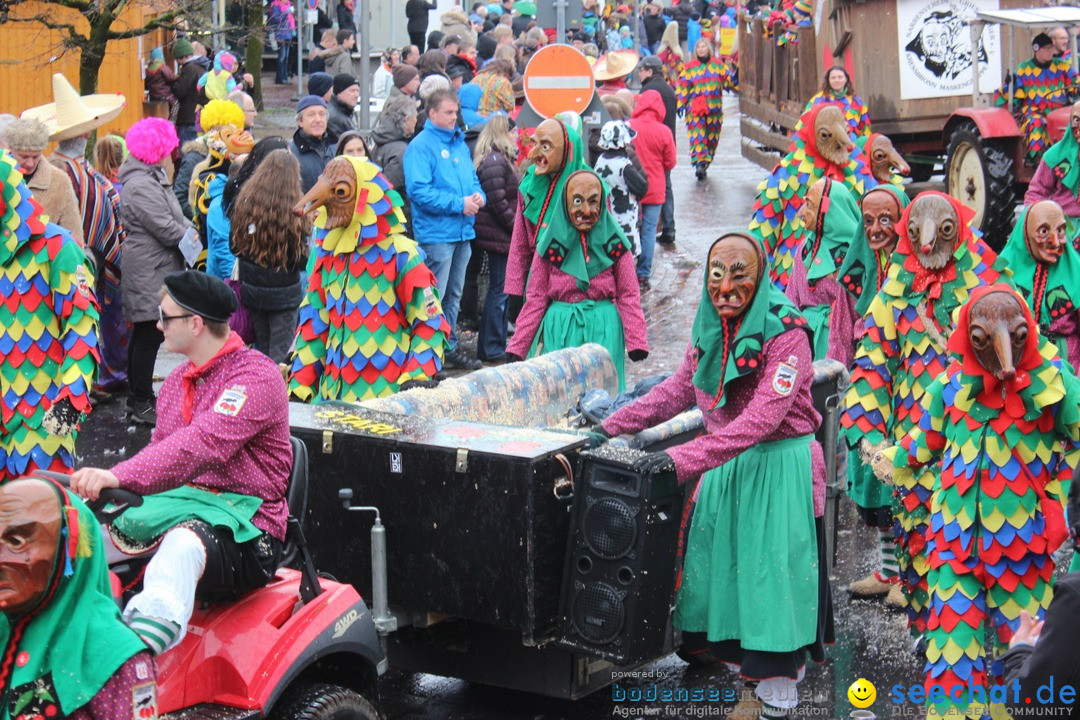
{"x": 370, "y": 319}
{"x": 749, "y": 590}
{"x": 1004, "y": 446}
{"x": 829, "y": 310}
{"x": 1052, "y": 291}
{"x": 781, "y": 194}
{"x": 71, "y": 655}
{"x": 48, "y": 331}
{"x": 901, "y": 354}
{"x": 582, "y": 288}
{"x": 539, "y": 195}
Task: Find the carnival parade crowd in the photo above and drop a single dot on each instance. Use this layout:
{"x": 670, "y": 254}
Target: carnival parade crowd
{"x": 346, "y": 263}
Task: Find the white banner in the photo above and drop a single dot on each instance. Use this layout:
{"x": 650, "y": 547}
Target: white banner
{"x": 935, "y": 48}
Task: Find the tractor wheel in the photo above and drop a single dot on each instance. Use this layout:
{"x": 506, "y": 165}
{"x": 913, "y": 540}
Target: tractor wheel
{"x": 322, "y": 701}
{"x": 979, "y": 173}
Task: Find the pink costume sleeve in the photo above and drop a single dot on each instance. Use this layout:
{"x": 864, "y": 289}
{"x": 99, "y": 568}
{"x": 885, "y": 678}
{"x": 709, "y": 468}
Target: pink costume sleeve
{"x": 134, "y": 682}
{"x": 1041, "y": 186}
{"x": 536, "y": 304}
{"x": 521, "y": 252}
{"x": 663, "y": 402}
{"x": 628, "y": 302}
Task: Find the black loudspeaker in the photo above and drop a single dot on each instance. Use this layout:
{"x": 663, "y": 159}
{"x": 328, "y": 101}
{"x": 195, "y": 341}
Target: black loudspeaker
{"x": 619, "y": 581}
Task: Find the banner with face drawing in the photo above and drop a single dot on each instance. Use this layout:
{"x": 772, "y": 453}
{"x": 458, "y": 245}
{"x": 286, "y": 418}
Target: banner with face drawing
{"x": 935, "y": 48}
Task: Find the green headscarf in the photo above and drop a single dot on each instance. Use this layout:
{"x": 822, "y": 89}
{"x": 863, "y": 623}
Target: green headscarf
{"x": 581, "y": 256}
{"x": 716, "y": 339}
{"x": 64, "y": 652}
{"x": 837, "y": 221}
{"x": 863, "y": 271}
{"x": 540, "y": 193}
{"x": 1050, "y": 290}
{"x": 1063, "y": 158}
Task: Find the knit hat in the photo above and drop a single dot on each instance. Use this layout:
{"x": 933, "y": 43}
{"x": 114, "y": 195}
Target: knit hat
{"x": 202, "y": 294}
{"x": 27, "y": 135}
{"x": 1040, "y": 41}
{"x": 151, "y": 140}
{"x": 157, "y": 54}
{"x": 403, "y": 74}
{"x": 342, "y": 82}
{"x": 182, "y": 48}
{"x": 310, "y": 101}
{"x": 318, "y": 83}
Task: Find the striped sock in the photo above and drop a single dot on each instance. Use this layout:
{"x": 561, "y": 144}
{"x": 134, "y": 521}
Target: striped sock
{"x": 773, "y": 713}
{"x": 890, "y": 568}
{"x": 158, "y": 634}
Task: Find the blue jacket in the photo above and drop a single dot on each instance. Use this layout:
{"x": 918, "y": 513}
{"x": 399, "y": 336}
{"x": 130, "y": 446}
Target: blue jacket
{"x": 439, "y": 175}
{"x": 219, "y": 258}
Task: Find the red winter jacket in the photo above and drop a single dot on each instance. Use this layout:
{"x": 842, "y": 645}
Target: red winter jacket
{"x": 654, "y": 144}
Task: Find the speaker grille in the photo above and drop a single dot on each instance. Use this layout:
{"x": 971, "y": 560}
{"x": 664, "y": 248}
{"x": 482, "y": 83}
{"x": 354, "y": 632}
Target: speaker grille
{"x": 598, "y": 613}
{"x": 610, "y": 529}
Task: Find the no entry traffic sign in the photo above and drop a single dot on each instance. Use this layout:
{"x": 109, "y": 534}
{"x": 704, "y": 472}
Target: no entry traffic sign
{"x": 558, "y": 78}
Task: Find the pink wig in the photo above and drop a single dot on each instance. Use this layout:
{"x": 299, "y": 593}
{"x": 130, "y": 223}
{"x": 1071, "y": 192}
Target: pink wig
{"x": 151, "y": 140}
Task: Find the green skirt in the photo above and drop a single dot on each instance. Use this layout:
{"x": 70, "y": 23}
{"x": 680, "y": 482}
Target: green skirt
{"x": 751, "y": 568}
{"x": 864, "y": 488}
{"x": 161, "y": 512}
{"x": 817, "y": 320}
{"x": 568, "y": 325}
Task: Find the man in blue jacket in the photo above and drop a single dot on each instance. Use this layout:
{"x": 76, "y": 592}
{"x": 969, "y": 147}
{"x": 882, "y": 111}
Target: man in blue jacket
{"x": 445, "y": 195}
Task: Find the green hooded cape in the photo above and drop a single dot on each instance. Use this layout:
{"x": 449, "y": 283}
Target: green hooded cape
{"x": 837, "y": 221}
{"x": 1063, "y": 158}
{"x": 65, "y": 651}
{"x": 741, "y": 339}
{"x": 539, "y": 193}
{"x": 863, "y": 271}
{"x": 579, "y": 255}
{"x": 1050, "y": 290}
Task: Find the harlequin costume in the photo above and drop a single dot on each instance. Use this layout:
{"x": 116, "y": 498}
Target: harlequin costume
{"x": 1052, "y": 291}
{"x": 539, "y": 195}
{"x": 48, "y": 331}
{"x": 1004, "y": 447}
{"x": 700, "y": 96}
{"x": 755, "y": 603}
{"x": 371, "y": 318}
{"x": 863, "y": 274}
{"x": 829, "y": 310}
{"x": 902, "y": 352}
{"x": 1038, "y": 90}
{"x": 72, "y": 656}
{"x": 582, "y": 288}
{"x": 856, "y": 111}
{"x": 780, "y": 195}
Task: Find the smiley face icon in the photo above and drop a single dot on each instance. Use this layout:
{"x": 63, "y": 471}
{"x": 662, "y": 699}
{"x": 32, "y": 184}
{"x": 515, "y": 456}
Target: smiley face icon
{"x": 862, "y": 693}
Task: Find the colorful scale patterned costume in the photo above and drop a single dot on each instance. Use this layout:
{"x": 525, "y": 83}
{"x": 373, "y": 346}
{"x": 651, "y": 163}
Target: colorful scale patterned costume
{"x": 997, "y": 515}
{"x": 700, "y": 95}
{"x": 856, "y": 112}
{"x": 781, "y": 194}
{"x": 1038, "y": 90}
{"x": 371, "y": 318}
{"x": 897, "y": 359}
{"x": 48, "y": 330}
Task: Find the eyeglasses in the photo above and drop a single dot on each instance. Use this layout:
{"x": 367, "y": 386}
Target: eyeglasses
{"x": 163, "y": 318}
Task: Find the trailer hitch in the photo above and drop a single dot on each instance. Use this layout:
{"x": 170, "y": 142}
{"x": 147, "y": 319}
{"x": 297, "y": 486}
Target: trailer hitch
{"x": 384, "y": 621}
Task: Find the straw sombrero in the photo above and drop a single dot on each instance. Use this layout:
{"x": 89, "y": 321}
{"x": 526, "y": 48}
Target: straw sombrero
{"x": 615, "y": 64}
{"x": 72, "y": 115}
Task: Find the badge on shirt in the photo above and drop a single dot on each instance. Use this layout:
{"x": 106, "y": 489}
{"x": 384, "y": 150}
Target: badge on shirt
{"x": 431, "y": 303}
{"x": 445, "y": 154}
{"x": 230, "y": 402}
{"x": 82, "y": 283}
{"x": 784, "y": 380}
{"x": 144, "y": 702}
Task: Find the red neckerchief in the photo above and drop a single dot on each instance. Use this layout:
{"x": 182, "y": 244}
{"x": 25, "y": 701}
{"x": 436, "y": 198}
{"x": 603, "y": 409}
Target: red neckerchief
{"x": 997, "y": 394}
{"x": 193, "y": 373}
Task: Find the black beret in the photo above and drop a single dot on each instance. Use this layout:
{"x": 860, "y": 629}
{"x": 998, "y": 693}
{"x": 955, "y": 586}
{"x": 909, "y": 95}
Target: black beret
{"x": 201, "y": 294}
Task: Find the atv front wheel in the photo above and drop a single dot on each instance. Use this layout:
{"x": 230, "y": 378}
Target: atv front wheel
{"x": 322, "y": 701}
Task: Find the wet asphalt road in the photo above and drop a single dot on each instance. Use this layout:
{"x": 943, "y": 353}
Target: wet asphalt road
{"x": 872, "y": 641}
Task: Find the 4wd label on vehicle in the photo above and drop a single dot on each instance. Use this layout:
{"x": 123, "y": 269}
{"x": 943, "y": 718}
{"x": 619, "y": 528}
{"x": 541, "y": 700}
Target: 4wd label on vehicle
{"x": 345, "y": 622}
{"x": 935, "y": 48}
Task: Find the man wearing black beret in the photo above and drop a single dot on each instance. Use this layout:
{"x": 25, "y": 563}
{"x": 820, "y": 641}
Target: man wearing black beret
{"x": 215, "y": 472}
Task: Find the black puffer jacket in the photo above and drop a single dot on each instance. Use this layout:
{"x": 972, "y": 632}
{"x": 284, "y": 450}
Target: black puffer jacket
{"x": 495, "y": 221}
{"x": 266, "y": 289}
{"x": 681, "y": 14}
